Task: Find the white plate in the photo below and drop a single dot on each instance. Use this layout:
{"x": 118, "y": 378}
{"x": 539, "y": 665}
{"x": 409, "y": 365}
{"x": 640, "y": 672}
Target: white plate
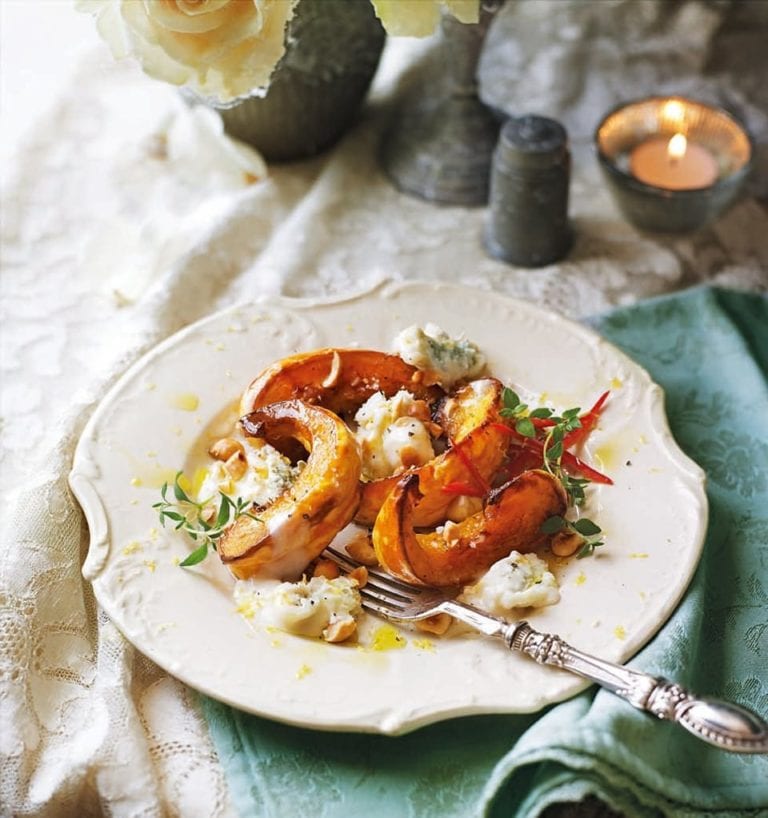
{"x": 153, "y": 421}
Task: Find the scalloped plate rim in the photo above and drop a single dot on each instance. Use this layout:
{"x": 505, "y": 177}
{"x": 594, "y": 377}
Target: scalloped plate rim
{"x": 386, "y": 722}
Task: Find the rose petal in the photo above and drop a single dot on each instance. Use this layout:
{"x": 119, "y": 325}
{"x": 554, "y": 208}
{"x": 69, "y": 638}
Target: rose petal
{"x": 465, "y": 11}
{"x": 419, "y": 18}
{"x": 208, "y": 17}
{"x": 407, "y": 18}
{"x": 193, "y": 7}
{"x": 222, "y": 49}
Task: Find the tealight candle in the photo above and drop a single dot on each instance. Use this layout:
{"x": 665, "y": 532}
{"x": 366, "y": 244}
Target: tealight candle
{"x": 674, "y": 164}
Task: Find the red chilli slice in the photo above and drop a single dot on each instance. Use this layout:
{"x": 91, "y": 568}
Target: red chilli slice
{"x": 481, "y": 482}
{"x": 588, "y": 423}
{"x": 464, "y": 489}
{"x": 569, "y": 460}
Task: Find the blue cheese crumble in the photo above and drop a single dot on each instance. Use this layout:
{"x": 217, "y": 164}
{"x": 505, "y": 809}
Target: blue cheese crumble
{"x": 254, "y": 471}
{"x": 390, "y": 437}
{"x": 517, "y": 581}
{"x": 431, "y": 348}
{"x": 318, "y": 607}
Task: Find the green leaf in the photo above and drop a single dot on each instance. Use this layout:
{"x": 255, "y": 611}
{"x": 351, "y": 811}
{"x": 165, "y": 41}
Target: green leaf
{"x": 569, "y": 414}
{"x": 553, "y": 524}
{"x": 586, "y": 527}
{"x": 525, "y": 428}
{"x": 178, "y": 491}
{"x": 222, "y": 518}
{"x": 173, "y": 515}
{"x": 542, "y": 413}
{"x": 555, "y": 451}
{"x": 164, "y": 490}
{"x": 198, "y": 555}
{"x": 588, "y": 549}
{"x": 509, "y": 398}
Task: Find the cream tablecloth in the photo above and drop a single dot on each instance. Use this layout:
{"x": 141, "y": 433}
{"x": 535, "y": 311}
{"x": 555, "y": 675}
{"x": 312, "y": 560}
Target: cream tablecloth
{"x": 124, "y": 218}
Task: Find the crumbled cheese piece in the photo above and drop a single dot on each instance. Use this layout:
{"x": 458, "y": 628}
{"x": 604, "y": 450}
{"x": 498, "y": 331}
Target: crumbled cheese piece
{"x": 267, "y": 476}
{"x": 517, "y": 581}
{"x": 306, "y": 608}
{"x": 389, "y": 436}
{"x": 463, "y": 506}
{"x": 451, "y": 359}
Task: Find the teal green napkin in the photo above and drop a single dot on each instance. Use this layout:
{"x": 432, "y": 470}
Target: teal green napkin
{"x": 708, "y": 348}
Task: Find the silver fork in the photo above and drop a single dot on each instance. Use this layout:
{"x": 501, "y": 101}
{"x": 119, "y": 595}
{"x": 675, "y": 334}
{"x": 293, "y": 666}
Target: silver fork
{"x": 722, "y": 724}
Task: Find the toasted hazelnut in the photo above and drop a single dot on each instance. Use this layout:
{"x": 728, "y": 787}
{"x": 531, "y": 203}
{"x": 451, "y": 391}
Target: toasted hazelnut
{"x": 236, "y": 465}
{"x": 419, "y": 409}
{"x": 326, "y": 568}
{"x": 437, "y": 624}
{"x": 434, "y": 429}
{"x": 410, "y": 457}
{"x": 566, "y": 543}
{"x": 360, "y": 575}
{"x": 340, "y": 630}
{"x": 361, "y": 550}
{"x": 224, "y": 448}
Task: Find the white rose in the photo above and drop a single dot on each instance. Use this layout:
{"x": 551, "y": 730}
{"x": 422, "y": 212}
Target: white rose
{"x": 220, "y": 48}
{"x": 418, "y": 18}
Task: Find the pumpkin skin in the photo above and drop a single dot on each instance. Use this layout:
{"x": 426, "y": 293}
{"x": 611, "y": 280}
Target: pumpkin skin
{"x": 510, "y": 521}
{"x": 471, "y": 418}
{"x": 338, "y": 379}
{"x": 296, "y": 527}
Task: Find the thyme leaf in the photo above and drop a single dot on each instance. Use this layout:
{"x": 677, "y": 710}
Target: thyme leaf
{"x": 585, "y": 528}
{"x": 197, "y": 519}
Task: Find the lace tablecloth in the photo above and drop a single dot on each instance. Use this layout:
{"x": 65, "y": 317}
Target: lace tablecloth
{"x": 125, "y": 217}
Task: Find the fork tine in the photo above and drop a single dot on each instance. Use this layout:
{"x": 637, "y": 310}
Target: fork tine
{"x": 389, "y": 597}
{"x": 382, "y": 610}
{"x": 381, "y": 595}
{"x": 375, "y": 583}
{"x": 387, "y": 582}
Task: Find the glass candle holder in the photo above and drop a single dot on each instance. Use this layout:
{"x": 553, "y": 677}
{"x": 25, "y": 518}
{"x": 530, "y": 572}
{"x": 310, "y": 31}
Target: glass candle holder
{"x": 673, "y": 164}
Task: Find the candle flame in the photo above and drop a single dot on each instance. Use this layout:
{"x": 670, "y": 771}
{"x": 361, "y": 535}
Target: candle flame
{"x": 677, "y": 146}
{"x": 674, "y": 110}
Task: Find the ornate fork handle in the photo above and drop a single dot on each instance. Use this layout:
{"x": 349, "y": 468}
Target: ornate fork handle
{"x": 720, "y": 723}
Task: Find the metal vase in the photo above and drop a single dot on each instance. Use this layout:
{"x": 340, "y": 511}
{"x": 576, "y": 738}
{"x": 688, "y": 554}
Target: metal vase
{"x": 440, "y": 145}
{"x": 317, "y": 88}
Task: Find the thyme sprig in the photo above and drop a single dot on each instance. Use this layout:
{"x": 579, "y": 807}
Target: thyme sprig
{"x": 513, "y": 407}
{"x": 589, "y": 532}
{"x": 529, "y": 423}
{"x": 189, "y": 516}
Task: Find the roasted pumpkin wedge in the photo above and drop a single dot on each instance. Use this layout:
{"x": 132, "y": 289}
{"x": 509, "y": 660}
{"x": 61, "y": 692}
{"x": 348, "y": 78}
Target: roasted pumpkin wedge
{"x": 294, "y": 529}
{"x": 478, "y": 445}
{"x": 338, "y": 379}
{"x": 460, "y": 553}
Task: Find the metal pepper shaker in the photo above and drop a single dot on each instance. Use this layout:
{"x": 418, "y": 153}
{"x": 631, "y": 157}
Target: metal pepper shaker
{"x": 528, "y": 221}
